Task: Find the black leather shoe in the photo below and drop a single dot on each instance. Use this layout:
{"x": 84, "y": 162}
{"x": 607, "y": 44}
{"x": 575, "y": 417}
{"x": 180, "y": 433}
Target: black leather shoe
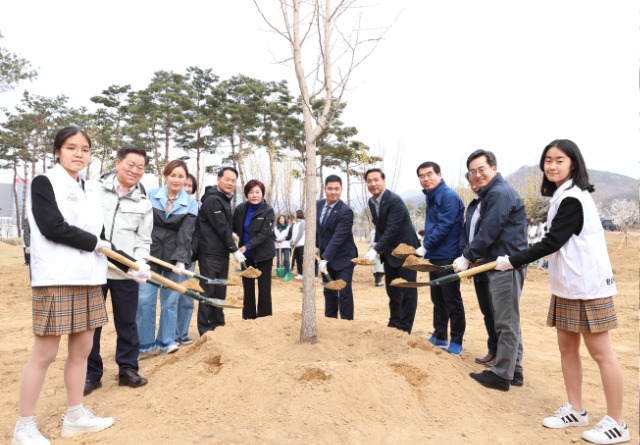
{"x": 131, "y": 378}
{"x": 90, "y": 385}
{"x": 518, "y": 379}
{"x": 490, "y": 380}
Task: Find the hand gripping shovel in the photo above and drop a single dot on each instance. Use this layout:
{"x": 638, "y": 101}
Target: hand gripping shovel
{"x": 399, "y": 282}
{"x": 168, "y": 283}
{"x": 329, "y": 282}
{"x": 214, "y": 281}
{"x": 247, "y": 272}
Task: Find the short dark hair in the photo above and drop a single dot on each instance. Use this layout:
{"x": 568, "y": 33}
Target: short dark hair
{"x": 194, "y": 184}
{"x": 251, "y": 184}
{"x": 433, "y": 165}
{"x": 64, "y": 134}
{"x": 333, "y": 178}
{"x": 124, "y": 151}
{"x": 373, "y": 170}
{"x": 299, "y": 214}
{"x": 491, "y": 158}
{"x": 579, "y": 173}
{"x": 176, "y": 163}
{"x": 224, "y": 169}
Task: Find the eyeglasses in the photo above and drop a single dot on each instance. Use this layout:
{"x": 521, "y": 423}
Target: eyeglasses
{"x": 478, "y": 172}
{"x": 427, "y": 175}
{"x": 134, "y": 167}
{"x": 85, "y": 150}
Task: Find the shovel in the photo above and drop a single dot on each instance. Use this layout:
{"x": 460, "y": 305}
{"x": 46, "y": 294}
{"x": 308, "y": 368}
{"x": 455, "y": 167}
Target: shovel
{"x": 150, "y": 281}
{"x": 247, "y": 272}
{"x": 168, "y": 283}
{"x": 403, "y": 250}
{"x": 289, "y": 275}
{"x": 280, "y": 270}
{"x": 329, "y": 282}
{"x": 399, "y": 282}
{"x": 215, "y": 281}
{"x": 420, "y": 265}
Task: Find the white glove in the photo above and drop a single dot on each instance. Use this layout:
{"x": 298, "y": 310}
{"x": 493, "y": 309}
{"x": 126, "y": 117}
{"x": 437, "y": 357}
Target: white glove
{"x": 27, "y": 250}
{"x": 421, "y": 251}
{"x": 322, "y": 266}
{"x": 460, "y": 264}
{"x": 371, "y": 255}
{"x": 101, "y": 243}
{"x": 239, "y": 256}
{"x": 143, "y": 273}
{"x": 236, "y": 238}
{"x": 372, "y": 244}
{"x": 503, "y": 263}
{"x": 179, "y": 269}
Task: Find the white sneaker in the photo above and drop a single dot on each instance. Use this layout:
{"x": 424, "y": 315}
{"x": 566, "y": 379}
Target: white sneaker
{"x": 607, "y": 431}
{"x": 87, "y": 423}
{"x": 298, "y": 277}
{"x": 565, "y": 417}
{"x": 28, "y": 434}
{"x": 173, "y": 347}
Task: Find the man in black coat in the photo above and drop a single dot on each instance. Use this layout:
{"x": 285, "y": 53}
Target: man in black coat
{"x": 393, "y": 226}
{"x": 214, "y": 241}
{"x": 334, "y": 239}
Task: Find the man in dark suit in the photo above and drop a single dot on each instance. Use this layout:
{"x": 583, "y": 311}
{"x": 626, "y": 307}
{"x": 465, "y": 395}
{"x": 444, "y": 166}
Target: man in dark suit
{"x": 334, "y": 238}
{"x": 393, "y": 226}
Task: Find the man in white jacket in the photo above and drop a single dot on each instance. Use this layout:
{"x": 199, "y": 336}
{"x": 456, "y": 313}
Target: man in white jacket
{"x": 128, "y": 222}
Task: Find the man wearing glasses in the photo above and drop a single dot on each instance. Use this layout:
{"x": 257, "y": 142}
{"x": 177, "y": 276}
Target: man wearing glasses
{"x": 441, "y": 244}
{"x": 502, "y": 231}
{"x": 128, "y": 221}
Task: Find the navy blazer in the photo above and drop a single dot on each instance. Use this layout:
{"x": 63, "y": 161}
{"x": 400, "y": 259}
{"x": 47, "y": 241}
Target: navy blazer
{"x": 334, "y": 238}
{"x": 393, "y": 226}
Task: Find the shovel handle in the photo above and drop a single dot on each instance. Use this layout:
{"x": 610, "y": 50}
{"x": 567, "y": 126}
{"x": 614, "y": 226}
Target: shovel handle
{"x": 478, "y": 269}
{"x": 169, "y": 266}
{"x": 127, "y": 262}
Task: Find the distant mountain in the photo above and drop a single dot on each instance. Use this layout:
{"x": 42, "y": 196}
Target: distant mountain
{"x": 609, "y": 186}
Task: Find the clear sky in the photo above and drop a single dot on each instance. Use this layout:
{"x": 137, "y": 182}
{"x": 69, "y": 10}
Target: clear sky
{"x": 448, "y": 78}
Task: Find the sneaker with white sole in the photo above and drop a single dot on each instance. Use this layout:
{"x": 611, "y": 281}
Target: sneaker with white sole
{"x": 298, "y": 277}
{"x": 565, "y": 417}
{"x": 607, "y": 431}
{"x": 27, "y": 433}
{"x": 88, "y": 422}
{"x": 173, "y": 347}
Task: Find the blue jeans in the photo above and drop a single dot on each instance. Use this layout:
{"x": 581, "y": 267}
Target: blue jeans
{"x": 146, "y": 314}
{"x": 286, "y": 252}
{"x": 185, "y": 310}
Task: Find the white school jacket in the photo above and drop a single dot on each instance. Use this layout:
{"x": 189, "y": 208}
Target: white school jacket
{"x": 581, "y": 269}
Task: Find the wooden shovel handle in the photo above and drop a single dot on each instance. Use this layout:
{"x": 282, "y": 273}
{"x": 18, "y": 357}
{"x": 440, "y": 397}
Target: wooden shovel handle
{"x": 169, "y": 266}
{"x": 127, "y": 262}
{"x": 478, "y": 269}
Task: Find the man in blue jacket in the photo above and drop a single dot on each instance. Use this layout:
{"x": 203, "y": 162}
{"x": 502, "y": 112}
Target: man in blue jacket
{"x": 393, "y": 226}
{"x": 502, "y": 231}
{"x": 334, "y": 239}
{"x": 441, "y": 244}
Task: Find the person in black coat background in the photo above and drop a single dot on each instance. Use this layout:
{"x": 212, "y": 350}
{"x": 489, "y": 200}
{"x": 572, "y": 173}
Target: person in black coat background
{"x": 393, "y": 226}
{"x": 253, "y": 223}
{"x": 214, "y": 243}
{"x": 334, "y": 238}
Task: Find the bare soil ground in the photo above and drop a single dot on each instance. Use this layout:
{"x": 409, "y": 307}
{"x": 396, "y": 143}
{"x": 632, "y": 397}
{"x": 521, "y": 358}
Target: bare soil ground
{"x": 252, "y": 382}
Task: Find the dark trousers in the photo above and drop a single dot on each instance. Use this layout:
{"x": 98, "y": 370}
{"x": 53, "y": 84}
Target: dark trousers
{"x": 448, "y": 309}
{"x": 339, "y": 301}
{"x": 212, "y": 266}
{"x": 264, "y": 307}
{"x": 403, "y": 302}
{"x": 124, "y": 300}
{"x": 298, "y": 254}
{"x": 481, "y": 283}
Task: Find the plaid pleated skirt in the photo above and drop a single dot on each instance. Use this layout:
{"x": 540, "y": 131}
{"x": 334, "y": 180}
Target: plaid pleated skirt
{"x": 60, "y": 310}
{"x": 594, "y": 316}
